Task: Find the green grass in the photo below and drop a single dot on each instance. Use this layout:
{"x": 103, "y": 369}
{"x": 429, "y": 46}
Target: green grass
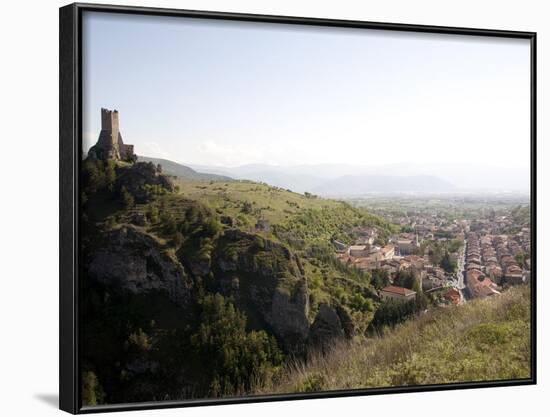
{"x": 271, "y": 203}
{"x": 484, "y": 340}
{"x": 307, "y": 219}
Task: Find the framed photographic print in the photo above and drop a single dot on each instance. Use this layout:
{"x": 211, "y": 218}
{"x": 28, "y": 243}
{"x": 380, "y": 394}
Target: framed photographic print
{"x": 259, "y": 208}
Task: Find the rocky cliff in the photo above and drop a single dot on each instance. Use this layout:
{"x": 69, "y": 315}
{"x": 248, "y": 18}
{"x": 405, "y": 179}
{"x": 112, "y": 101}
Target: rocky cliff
{"x": 267, "y": 281}
{"x": 130, "y": 260}
{"x": 264, "y": 278}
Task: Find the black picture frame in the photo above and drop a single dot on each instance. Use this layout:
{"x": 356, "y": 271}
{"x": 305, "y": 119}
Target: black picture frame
{"x": 70, "y": 120}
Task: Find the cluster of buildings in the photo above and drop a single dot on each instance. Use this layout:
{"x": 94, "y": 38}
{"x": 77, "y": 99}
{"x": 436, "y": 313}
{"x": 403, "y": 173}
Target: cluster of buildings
{"x": 490, "y": 258}
{"x": 493, "y": 261}
{"x": 400, "y": 254}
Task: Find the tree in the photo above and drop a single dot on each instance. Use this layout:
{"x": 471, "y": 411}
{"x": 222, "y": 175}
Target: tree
{"x": 153, "y": 213}
{"x": 233, "y": 359}
{"x": 455, "y": 245}
{"x": 127, "y": 198}
{"x": 520, "y": 259}
{"x": 177, "y": 240}
{"x": 247, "y": 207}
{"x": 407, "y": 229}
{"x": 110, "y": 175}
{"x": 380, "y": 278}
{"x": 169, "y": 224}
{"x": 404, "y": 278}
{"x": 447, "y": 264}
{"x": 92, "y": 394}
{"x": 435, "y": 253}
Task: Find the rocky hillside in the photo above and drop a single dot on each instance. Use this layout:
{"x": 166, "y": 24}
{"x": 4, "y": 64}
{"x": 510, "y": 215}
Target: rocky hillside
{"x": 166, "y": 264}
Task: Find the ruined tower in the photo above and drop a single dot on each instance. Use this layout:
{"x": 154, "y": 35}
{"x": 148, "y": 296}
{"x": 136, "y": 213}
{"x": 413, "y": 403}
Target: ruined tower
{"x": 109, "y": 144}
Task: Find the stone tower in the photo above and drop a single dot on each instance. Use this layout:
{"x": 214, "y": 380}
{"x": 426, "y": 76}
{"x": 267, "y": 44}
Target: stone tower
{"x": 109, "y": 144}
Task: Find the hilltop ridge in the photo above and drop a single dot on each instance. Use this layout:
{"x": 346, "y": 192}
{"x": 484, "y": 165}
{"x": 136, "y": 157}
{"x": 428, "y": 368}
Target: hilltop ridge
{"x": 179, "y": 170}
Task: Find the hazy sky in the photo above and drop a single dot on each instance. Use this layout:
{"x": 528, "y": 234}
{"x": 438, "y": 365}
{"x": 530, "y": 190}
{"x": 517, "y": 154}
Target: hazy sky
{"x": 227, "y": 93}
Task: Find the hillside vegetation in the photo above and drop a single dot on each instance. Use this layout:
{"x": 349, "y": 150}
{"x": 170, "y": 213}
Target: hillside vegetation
{"x": 481, "y": 341}
{"x": 203, "y": 288}
{"x": 249, "y": 201}
{"x": 304, "y": 223}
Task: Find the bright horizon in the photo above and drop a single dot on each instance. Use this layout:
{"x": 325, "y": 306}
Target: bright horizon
{"x": 237, "y": 93}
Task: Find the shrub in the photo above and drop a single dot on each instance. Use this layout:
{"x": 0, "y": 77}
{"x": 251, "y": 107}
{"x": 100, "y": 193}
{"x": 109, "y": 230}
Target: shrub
{"x": 168, "y": 223}
{"x": 140, "y": 340}
{"x": 380, "y": 278}
{"x": 97, "y": 176}
{"x": 92, "y": 394}
{"x": 152, "y": 213}
{"x": 233, "y": 358}
{"x": 177, "y": 240}
{"x": 127, "y": 198}
{"x": 312, "y": 383}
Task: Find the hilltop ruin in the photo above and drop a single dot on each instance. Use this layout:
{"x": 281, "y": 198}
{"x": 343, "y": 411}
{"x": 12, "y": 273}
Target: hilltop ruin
{"x": 109, "y": 144}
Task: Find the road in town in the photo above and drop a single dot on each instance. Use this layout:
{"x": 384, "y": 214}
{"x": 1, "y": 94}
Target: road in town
{"x": 461, "y": 273}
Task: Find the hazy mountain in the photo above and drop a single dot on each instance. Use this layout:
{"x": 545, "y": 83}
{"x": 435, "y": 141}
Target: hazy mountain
{"x": 459, "y": 177}
{"x": 354, "y": 185}
{"x": 182, "y": 171}
{"x": 284, "y": 177}
{"x": 333, "y": 180}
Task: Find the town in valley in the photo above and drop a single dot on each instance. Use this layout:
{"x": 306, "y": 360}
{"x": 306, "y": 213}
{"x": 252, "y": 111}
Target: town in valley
{"x": 458, "y": 247}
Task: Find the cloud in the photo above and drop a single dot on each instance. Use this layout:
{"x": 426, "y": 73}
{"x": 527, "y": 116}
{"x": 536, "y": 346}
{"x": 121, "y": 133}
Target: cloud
{"x": 214, "y": 153}
{"x": 153, "y": 150}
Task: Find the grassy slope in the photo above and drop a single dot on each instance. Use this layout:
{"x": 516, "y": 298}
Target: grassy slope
{"x": 293, "y": 218}
{"x": 296, "y": 218}
{"x": 274, "y": 204}
{"x": 280, "y": 207}
{"x": 483, "y": 340}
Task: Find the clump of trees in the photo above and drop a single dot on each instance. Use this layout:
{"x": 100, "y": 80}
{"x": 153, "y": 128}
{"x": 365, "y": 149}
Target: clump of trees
{"x": 380, "y": 278}
{"x": 405, "y": 279}
{"x": 127, "y": 198}
{"x": 92, "y": 393}
{"x": 98, "y": 176}
{"x": 440, "y": 254}
{"x": 392, "y": 312}
{"x": 447, "y": 264}
{"x": 233, "y": 358}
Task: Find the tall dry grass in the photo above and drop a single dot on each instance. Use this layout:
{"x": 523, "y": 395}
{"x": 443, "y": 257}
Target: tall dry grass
{"x": 484, "y": 340}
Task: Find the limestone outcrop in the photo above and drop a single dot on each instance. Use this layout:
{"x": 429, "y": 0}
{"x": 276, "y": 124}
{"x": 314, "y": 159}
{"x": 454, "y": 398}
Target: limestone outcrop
{"x": 130, "y": 260}
{"x": 326, "y": 328}
{"x": 267, "y": 281}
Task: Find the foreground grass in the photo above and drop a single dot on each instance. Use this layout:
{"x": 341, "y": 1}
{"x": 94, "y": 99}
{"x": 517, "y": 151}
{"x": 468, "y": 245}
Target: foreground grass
{"x": 480, "y": 341}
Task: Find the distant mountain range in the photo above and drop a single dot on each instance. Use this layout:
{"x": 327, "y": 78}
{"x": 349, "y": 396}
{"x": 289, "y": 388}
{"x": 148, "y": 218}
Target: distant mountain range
{"x": 340, "y": 180}
{"x": 328, "y": 180}
{"x": 182, "y": 171}
{"x": 356, "y": 185}
{"x": 398, "y": 177}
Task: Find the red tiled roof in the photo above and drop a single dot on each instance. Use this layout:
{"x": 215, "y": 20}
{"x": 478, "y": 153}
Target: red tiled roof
{"x": 398, "y": 290}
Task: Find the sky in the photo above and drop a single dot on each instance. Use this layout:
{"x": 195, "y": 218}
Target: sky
{"x": 234, "y": 93}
